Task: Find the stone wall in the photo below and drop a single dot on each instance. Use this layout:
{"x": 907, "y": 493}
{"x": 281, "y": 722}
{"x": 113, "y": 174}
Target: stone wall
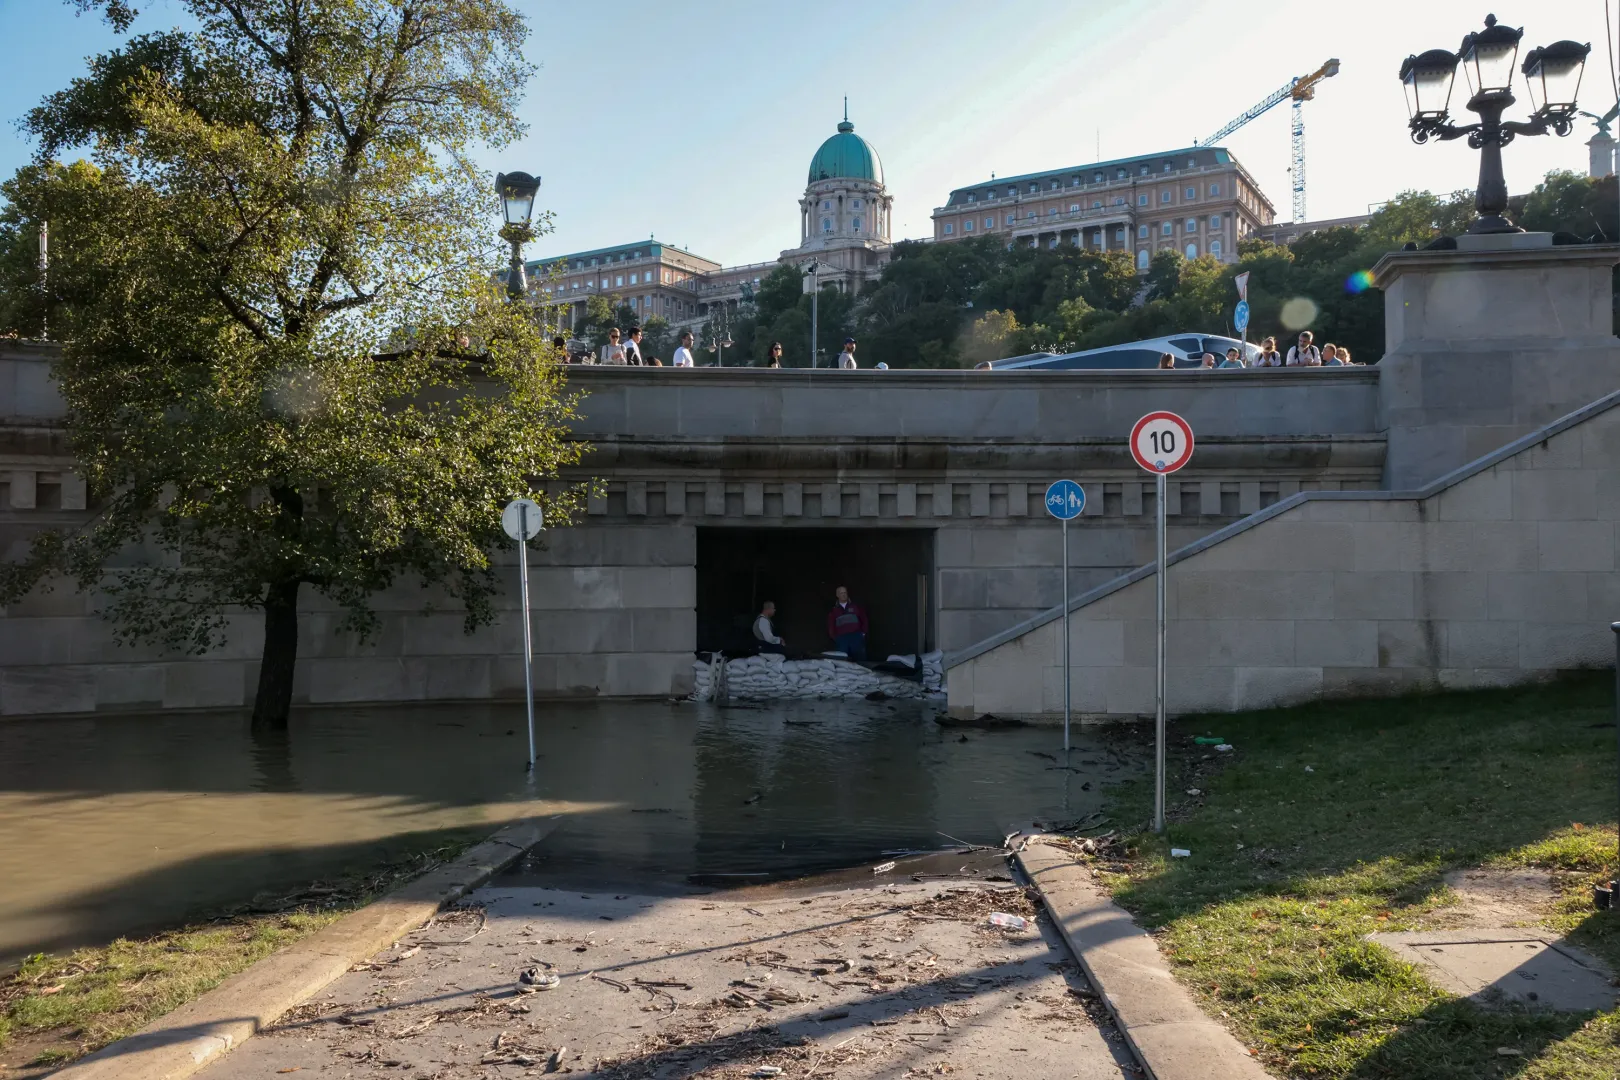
{"x": 1500, "y": 573}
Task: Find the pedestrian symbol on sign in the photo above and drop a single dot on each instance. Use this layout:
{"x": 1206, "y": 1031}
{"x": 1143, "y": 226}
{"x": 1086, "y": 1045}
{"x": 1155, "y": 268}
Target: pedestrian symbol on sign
{"x": 1065, "y": 499}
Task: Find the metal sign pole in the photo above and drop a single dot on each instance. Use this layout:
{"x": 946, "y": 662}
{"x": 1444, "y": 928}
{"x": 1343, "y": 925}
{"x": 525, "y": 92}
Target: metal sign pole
{"x": 528, "y": 637}
{"x": 1158, "y": 719}
{"x": 1068, "y": 658}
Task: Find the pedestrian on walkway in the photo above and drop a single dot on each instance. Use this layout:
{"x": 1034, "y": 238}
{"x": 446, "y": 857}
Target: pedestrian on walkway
{"x": 1234, "y": 359}
{"x": 774, "y": 356}
{"x": 1304, "y": 354}
{"x": 1167, "y": 361}
{"x": 1269, "y": 356}
{"x": 683, "y": 353}
{"x": 613, "y": 352}
{"x": 632, "y": 347}
{"x": 1330, "y": 356}
{"x": 846, "y": 359}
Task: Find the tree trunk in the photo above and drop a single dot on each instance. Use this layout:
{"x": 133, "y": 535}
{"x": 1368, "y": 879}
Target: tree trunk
{"x": 274, "y": 699}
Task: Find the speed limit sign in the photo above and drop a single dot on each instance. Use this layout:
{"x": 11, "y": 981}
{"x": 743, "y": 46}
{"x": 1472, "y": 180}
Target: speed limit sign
{"x": 1161, "y": 442}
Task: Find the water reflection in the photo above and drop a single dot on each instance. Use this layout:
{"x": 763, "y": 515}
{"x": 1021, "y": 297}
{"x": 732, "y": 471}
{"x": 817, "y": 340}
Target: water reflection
{"x": 122, "y": 824}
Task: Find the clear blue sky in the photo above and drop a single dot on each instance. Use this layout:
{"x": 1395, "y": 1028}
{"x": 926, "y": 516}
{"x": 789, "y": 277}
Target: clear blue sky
{"x": 696, "y": 121}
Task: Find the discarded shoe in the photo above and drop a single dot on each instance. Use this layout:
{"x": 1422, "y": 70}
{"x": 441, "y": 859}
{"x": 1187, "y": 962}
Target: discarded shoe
{"x": 532, "y": 980}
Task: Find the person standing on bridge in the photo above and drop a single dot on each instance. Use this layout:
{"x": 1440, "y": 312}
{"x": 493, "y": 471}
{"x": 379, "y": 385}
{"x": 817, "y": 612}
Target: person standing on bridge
{"x": 846, "y": 359}
{"x": 683, "y": 355}
{"x": 846, "y": 625}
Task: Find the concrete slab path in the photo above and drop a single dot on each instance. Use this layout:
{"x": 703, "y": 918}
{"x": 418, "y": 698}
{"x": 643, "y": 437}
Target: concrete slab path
{"x": 902, "y": 980}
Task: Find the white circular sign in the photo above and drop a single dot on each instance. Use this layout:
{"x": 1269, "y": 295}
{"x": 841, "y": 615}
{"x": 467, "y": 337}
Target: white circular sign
{"x": 1161, "y": 442}
{"x": 521, "y": 519}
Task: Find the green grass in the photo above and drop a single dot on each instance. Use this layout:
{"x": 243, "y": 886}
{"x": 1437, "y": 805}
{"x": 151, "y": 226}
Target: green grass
{"x": 1290, "y": 868}
{"x": 92, "y": 996}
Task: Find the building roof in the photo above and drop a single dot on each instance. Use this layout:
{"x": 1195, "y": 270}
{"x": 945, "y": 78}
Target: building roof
{"x": 846, "y": 156}
{"x": 1213, "y": 155}
{"x": 640, "y": 248}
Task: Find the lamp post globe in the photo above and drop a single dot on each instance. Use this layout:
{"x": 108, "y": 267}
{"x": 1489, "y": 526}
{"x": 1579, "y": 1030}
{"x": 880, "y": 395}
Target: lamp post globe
{"x": 1553, "y": 74}
{"x": 516, "y": 191}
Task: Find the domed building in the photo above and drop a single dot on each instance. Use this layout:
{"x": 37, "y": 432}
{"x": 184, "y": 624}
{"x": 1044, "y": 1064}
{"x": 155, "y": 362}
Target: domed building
{"x": 845, "y": 214}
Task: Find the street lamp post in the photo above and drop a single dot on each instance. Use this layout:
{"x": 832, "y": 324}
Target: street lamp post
{"x": 720, "y": 339}
{"x": 1552, "y": 74}
{"x": 516, "y": 191}
{"x": 813, "y": 282}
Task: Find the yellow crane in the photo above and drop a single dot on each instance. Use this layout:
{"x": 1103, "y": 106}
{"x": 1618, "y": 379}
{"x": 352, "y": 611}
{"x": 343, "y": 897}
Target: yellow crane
{"x": 1300, "y": 90}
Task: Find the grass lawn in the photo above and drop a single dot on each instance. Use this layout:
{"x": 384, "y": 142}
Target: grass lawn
{"x": 64, "y": 1006}
{"x": 1331, "y": 821}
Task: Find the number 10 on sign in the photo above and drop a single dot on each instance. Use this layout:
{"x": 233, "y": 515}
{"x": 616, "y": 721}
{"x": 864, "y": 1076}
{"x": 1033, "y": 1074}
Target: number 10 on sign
{"x": 1161, "y": 442}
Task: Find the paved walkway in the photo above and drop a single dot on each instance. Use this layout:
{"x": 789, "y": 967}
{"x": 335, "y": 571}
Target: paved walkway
{"x": 904, "y": 980}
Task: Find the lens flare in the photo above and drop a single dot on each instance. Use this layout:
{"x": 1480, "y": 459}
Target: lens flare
{"x": 1358, "y": 282}
{"x": 1298, "y": 313}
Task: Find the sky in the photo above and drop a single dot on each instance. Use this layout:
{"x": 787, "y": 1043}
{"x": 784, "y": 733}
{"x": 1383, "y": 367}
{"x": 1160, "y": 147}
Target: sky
{"x": 695, "y": 122}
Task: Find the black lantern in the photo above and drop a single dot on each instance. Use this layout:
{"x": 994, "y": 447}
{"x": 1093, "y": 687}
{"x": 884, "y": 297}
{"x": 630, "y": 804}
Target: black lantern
{"x": 1427, "y": 81}
{"x": 1553, "y": 74}
{"x": 1487, "y": 57}
{"x": 516, "y": 191}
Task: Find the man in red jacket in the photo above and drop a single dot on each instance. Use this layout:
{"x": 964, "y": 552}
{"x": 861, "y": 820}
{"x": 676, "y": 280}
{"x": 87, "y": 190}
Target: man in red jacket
{"x": 846, "y": 625}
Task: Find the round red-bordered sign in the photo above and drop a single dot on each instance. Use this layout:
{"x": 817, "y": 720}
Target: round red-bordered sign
{"x": 1162, "y": 442}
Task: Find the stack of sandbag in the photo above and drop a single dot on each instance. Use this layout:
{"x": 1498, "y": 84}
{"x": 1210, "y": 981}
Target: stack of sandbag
{"x": 771, "y": 678}
{"x": 933, "y": 672}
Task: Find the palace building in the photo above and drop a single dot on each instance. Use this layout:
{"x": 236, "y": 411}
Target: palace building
{"x": 1198, "y": 201}
{"x": 844, "y": 221}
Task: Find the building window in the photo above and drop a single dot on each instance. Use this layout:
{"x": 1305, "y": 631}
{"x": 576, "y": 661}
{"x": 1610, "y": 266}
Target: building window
{"x": 1215, "y": 248}
{"x": 1030, "y": 216}
{"x": 826, "y": 225}
{"x": 1074, "y": 181}
{"x": 1011, "y": 191}
{"x": 1141, "y": 232}
{"x": 1120, "y": 235}
{"x": 1141, "y": 258}
{"x": 949, "y": 228}
{"x": 1012, "y": 219}
{"x": 632, "y": 279}
{"x": 989, "y": 222}
{"x": 826, "y": 204}
{"x": 1096, "y": 204}
{"x": 1192, "y": 224}
{"x": 1141, "y": 199}
{"x": 1167, "y": 166}
{"x": 635, "y": 302}
{"x": 1192, "y": 193}
{"x": 1192, "y": 251}
{"x": 1144, "y": 169}
{"x": 1192, "y": 163}
{"x": 1033, "y": 188}
{"x": 970, "y": 196}
{"x": 1168, "y": 228}
{"x": 857, "y": 204}
{"x": 1215, "y": 221}
{"x": 990, "y": 194}
{"x": 1052, "y": 211}
{"x": 1164, "y": 196}
{"x": 1119, "y": 200}
{"x": 1214, "y": 189}
{"x": 967, "y": 225}
{"x": 638, "y": 255}
{"x": 1119, "y": 174}
{"x": 1054, "y": 183}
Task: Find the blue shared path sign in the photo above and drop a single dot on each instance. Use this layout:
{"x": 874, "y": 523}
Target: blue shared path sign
{"x": 1240, "y": 317}
{"x": 1065, "y": 499}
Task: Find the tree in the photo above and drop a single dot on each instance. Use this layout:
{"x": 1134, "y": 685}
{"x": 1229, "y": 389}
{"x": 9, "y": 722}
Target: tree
{"x": 604, "y": 313}
{"x": 1418, "y": 217}
{"x": 657, "y": 339}
{"x": 1566, "y": 202}
{"x": 281, "y": 190}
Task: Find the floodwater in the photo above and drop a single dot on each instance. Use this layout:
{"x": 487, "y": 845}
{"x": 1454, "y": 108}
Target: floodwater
{"x": 124, "y": 824}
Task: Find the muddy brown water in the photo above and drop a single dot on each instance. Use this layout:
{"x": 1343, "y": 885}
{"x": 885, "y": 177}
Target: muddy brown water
{"x": 126, "y": 824}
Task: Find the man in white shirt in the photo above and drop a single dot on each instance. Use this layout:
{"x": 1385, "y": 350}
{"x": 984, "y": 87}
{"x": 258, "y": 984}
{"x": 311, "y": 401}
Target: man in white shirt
{"x": 765, "y": 631}
{"x": 632, "y": 347}
{"x": 846, "y": 359}
{"x": 683, "y": 354}
{"x": 1304, "y": 354}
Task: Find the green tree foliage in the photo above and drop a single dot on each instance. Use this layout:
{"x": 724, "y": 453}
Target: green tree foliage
{"x": 278, "y": 192}
{"x": 604, "y": 313}
{"x": 1567, "y": 202}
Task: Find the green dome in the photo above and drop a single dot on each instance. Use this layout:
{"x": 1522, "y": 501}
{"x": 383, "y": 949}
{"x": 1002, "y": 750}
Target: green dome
{"x": 846, "y": 156}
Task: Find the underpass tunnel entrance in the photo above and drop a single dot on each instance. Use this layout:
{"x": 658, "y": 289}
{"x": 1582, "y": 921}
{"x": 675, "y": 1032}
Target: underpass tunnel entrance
{"x": 889, "y": 572}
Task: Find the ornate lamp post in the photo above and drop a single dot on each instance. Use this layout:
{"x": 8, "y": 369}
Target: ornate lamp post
{"x": 721, "y": 339}
{"x": 1553, "y": 75}
{"x": 516, "y": 191}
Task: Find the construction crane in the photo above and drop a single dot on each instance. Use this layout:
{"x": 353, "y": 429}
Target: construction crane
{"x": 1301, "y": 90}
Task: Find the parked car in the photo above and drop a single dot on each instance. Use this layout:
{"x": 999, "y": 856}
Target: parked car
{"x": 1188, "y": 349}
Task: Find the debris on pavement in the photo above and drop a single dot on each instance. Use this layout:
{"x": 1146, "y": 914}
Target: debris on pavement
{"x": 533, "y": 979}
{"x": 1224, "y": 747}
{"x": 883, "y": 868}
{"x": 1180, "y": 853}
{"x": 1009, "y": 922}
